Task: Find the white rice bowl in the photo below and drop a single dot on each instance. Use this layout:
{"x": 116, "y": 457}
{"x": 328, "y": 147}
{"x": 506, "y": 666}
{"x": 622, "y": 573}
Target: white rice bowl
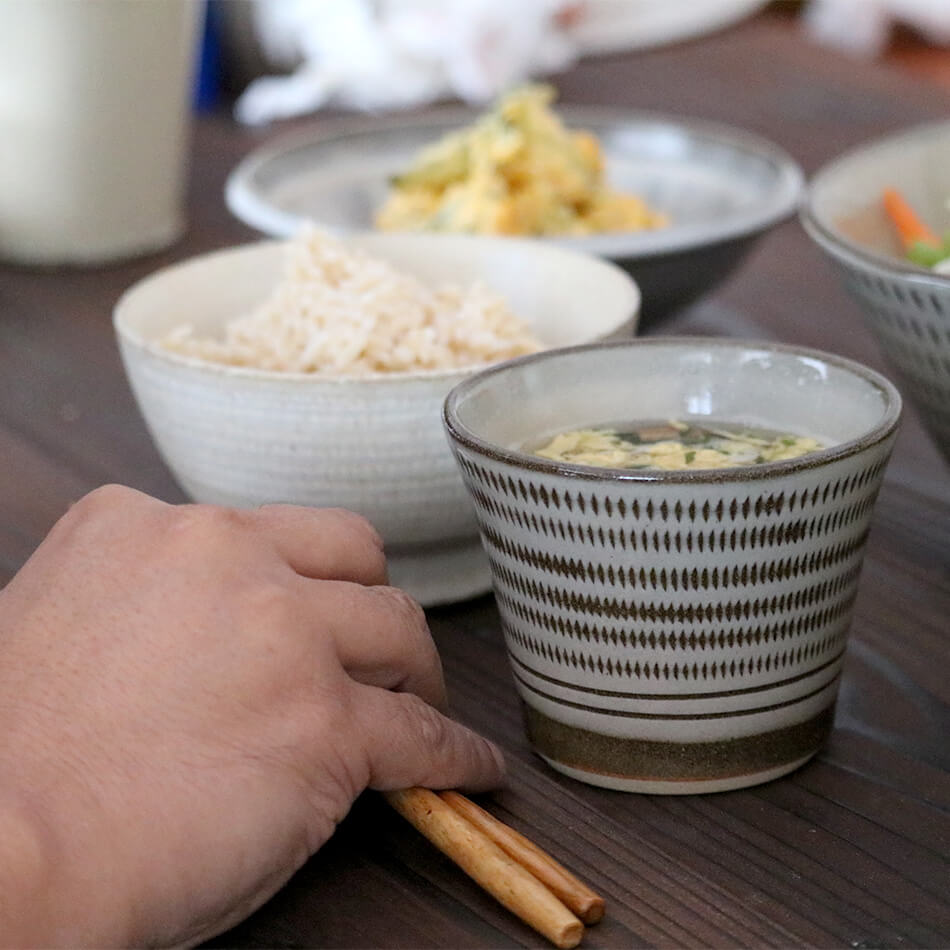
{"x": 358, "y": 438}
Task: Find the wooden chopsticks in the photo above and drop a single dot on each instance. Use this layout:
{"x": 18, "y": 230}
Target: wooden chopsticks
{"x": 574, "y": 894}
{"x": 514, "y": 870}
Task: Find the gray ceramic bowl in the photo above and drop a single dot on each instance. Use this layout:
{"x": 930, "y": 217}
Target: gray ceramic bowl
{"x": 907, "y": 307}
{"x": 674, "y": 632}
{"x": 722, "y": 188}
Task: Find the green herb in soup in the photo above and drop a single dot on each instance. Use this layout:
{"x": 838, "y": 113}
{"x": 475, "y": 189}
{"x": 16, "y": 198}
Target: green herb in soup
{"x": 674, "y": 446}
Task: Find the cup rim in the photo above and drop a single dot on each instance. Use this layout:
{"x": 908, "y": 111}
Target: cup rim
{"x": 462, "y": 434}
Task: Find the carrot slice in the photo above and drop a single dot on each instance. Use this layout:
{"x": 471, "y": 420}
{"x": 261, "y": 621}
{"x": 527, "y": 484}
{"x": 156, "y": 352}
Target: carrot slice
{"x": 910, "y": 229}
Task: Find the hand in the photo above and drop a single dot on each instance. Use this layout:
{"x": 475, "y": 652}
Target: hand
{"x": 191, "y": 698}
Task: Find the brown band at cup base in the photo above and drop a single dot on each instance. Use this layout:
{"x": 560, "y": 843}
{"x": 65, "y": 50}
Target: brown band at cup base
{"x": 649, "y": 760}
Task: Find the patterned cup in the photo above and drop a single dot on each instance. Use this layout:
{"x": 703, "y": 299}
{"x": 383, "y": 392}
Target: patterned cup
{"x": 675, "y": 632}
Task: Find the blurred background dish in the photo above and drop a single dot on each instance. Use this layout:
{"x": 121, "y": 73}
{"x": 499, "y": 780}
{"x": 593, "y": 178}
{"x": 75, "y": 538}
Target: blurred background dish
{"x": 608, "y": 26}
{"x": 272, "y": 36}
{"x": 94, "y": 170}
{"x": 721, "y": 187}
{"x": 244, "y": 437}
{"x": 907, "y": 307}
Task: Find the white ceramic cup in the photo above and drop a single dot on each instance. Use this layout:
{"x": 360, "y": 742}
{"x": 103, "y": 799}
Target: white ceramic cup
{"x": 94, "y": 116}
{"x": 675, "y": 632}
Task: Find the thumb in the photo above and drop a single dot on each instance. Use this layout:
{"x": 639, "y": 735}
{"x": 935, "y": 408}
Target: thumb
{"x": 407, "y": 742}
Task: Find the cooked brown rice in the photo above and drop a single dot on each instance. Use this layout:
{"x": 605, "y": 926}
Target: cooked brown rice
{"x": 339, "y": 311}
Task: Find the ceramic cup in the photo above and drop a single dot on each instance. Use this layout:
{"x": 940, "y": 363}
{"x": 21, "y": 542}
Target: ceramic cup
{"x": 95, "y": 110}
{"x": 675, "y": 632}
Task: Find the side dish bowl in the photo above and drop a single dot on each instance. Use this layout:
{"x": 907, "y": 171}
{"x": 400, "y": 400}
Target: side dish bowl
{"x": 907, "y": 307}
{"x": 722, "y": 188}
{"x": 245, "y": 437}
{"x": 675, "y": 631}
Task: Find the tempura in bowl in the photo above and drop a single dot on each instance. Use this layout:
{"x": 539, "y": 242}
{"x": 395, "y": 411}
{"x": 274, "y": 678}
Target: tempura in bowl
{"x": 516, "y": 170}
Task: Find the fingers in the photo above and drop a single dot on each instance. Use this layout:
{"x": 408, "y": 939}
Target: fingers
{"x": 380, "y": 635}
{"x": 407, "y": 742}
{"x": 316, "y": 542}
{"x": 329, "y": 543}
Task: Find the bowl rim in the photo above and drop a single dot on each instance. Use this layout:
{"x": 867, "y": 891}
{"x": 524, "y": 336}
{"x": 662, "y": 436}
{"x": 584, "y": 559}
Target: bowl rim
{"x": 131, "y": 337}
{"x": 249, "y": 206}
{"x": 850, "y": 251}
{"x": 459, "y": 432}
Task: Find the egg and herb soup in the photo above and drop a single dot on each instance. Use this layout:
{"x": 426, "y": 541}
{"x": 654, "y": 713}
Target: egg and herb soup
{"x": 516, "y": 170}
{"x": 673, "y": 446}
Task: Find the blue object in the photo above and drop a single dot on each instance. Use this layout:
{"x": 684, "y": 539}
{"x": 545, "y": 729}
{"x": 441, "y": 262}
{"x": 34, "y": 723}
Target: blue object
{"x": 207, "y": 91}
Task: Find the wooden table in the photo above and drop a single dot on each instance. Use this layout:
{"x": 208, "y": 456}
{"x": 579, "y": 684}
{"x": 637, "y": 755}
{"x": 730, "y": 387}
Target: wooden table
{"x": 850, "y": 851}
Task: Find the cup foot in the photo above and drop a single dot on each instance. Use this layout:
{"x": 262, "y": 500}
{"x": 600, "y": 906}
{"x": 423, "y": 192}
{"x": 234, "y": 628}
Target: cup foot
{"x": 659, "y": 767}
{"x": 684, "y": 787}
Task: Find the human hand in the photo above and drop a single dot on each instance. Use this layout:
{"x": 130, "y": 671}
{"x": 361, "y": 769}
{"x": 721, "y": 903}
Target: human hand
{"x": 191, "y": 698}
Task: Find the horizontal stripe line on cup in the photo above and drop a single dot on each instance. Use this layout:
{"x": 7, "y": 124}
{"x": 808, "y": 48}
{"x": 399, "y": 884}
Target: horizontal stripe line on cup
{"x": 651, "y": 759}
{"x": 720, "y": 694}
{"x": 625, "y": 714}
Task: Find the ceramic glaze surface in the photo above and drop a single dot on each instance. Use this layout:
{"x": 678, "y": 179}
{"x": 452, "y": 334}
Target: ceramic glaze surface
{"x": 677, "y": 632}
{"x": 243, "y": 437}
{"x": 721, "y": 187}
{"x": 908, "y": 308}
{"x": 913, "y": 328}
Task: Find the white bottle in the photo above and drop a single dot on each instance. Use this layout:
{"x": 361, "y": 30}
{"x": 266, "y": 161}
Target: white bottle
{"x": 95, "y": 105}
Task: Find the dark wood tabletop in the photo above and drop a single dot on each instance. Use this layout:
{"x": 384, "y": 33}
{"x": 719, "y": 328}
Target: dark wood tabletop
{"x": 849, "y": 851}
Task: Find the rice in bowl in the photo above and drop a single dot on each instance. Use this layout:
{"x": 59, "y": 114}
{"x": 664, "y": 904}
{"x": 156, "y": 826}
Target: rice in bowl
{"x": 338, "y": 311}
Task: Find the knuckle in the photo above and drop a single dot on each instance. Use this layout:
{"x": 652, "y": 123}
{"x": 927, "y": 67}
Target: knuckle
{"x": 105, "y": 498}
{"x": 374, "y": 561}
{"x": 359, "y": 525}
{"x": 100, "y": 507}
{"x": 408, "y": 617}
{"x": 207, "y": 522}
{"x": 429, "y": 727}
{"x": 409, "y": 610}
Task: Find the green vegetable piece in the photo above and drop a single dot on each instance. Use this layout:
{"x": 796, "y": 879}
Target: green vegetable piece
{"x": 689, "y": 457}
{"x": 694, "y": 435}
{"x": 925, "y": 255}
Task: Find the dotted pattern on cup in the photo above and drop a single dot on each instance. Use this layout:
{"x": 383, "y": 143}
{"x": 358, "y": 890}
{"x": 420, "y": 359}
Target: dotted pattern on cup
{"x": 671, "y": 631}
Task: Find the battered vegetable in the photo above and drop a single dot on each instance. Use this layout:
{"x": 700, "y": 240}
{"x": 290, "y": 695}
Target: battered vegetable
{"x": 517, "y": 170}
